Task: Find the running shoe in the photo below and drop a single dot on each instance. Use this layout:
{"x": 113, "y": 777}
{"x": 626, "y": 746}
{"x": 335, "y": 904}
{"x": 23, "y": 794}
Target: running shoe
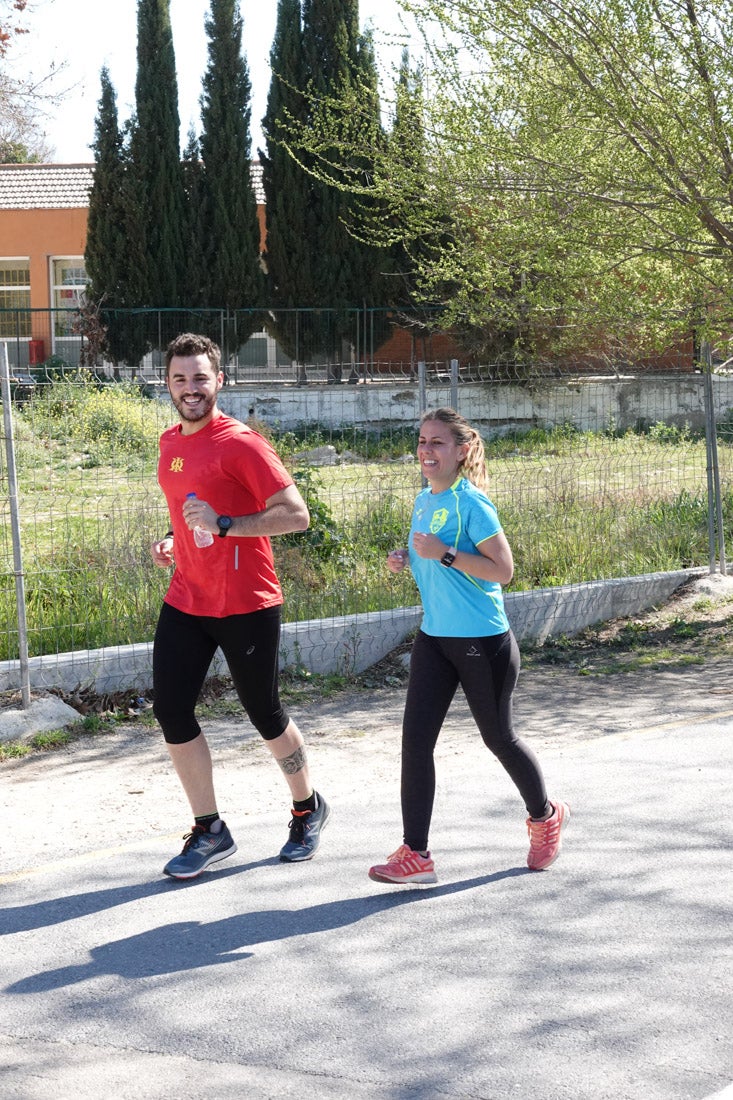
{"x": 200, "y": 850}
{"x": 405, "y": 865}
{"x": 545, "y": 837}
{"x": 305, "y": 832}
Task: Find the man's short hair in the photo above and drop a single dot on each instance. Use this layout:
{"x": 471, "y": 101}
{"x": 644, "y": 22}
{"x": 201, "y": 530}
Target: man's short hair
{"x": 192, "y": 343}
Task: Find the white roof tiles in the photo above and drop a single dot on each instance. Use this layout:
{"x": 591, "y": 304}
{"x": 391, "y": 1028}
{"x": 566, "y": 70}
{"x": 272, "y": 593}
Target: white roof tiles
{"x": 45, "y": 186}
{"x": 58, "y": 186}
{"x": 257, "y": 185}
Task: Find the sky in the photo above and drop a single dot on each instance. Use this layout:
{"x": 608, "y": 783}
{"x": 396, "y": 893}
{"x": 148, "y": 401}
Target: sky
{"x": 87, "y": 34}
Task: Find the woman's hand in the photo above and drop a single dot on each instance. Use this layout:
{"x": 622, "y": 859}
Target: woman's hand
{"x": 162, "y": 552}
{"x": 397, "y": 560}
{"x": 428, "y": 546}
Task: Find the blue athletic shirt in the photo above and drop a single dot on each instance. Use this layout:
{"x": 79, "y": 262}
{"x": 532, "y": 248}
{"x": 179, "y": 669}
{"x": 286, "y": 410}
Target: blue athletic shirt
{"x": 456, "y": 605}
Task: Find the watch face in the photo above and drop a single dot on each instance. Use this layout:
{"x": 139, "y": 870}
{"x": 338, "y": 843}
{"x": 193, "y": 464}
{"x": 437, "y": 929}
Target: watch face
{"x": 224, "y": 523}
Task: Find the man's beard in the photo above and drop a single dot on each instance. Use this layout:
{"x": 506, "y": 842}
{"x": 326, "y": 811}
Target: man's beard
{"x": 186, "y": 412}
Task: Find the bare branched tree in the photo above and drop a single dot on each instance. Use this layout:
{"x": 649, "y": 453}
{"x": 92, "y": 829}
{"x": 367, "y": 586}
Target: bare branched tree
{"x": 24, "y": 99}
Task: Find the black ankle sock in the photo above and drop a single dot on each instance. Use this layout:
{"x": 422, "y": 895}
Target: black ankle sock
{"x": 308, "y": 805}
{"x": 207, "y": 821}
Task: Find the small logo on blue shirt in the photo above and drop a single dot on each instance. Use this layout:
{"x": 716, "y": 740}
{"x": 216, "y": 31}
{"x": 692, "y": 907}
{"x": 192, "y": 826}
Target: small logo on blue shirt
{"x": 437, "y": 523}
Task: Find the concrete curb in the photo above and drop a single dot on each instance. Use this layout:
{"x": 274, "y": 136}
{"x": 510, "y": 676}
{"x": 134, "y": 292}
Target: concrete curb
{"x": 351, "y": 643}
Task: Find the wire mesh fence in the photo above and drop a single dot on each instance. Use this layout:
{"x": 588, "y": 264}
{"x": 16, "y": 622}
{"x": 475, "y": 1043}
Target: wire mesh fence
{"x": 593, "y": 477}
{"x": 287, "y": 346}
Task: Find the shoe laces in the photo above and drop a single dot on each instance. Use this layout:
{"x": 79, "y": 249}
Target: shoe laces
{"x": 298, "y": 824}
{"x": 405, "y": 854}
{"x": 402, "y": 852}
{"x": 191, "y": 838}
{"x": 542, "y": 833}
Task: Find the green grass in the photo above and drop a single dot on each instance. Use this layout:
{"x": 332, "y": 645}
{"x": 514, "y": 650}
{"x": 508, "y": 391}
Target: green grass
{"x": 576, "y": 507}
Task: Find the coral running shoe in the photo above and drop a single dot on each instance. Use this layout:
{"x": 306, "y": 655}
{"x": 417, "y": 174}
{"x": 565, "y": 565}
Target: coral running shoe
{"x": 545, "y": 837}
{"x": 404, "y": 865}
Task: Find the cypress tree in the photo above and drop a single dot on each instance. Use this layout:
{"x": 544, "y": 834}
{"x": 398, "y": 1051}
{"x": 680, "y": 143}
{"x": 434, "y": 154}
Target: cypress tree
{"x": 327, "y": 82}
{"x": 330, "y": 32}
{"x": 114, "y": 256}
{"x": 195, "y": 282}
{"x": 233, "y": 279}
{"x": 368, "y": 139}
{"x": 287, "y": 188}
{"x": 156, "y": 158}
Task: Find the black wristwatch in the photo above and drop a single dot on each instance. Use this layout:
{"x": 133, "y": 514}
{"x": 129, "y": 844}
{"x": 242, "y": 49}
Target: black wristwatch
{"x": 223, "y": 523}
{"x": 449, "y": 557}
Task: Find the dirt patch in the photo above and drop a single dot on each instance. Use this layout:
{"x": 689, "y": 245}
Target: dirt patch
{"x": 693, "y": 628}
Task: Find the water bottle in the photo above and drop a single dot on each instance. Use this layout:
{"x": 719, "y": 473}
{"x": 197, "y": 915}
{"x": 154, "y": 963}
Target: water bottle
{"x": 201, "y": 536}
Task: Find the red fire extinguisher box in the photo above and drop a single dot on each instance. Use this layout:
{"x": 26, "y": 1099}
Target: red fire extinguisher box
{"x": 36, "y": 352}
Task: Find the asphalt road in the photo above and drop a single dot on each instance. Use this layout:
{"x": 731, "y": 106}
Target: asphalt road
{"x": 607, "y": 976}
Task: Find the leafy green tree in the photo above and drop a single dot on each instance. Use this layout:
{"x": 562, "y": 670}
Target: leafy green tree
{"x": 16, "y": 152}
{"x": 156, "y": 159}
{"x": 416, "y": 241}
{"x": 115, "y": 255}
{"x": 233, "y": 279}
{"x": 587, "y": 152}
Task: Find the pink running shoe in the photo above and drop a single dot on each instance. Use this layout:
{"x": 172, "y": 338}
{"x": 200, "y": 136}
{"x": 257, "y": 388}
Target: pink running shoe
{"x": 404, "y": 865}
{"x": 545, "y": 837}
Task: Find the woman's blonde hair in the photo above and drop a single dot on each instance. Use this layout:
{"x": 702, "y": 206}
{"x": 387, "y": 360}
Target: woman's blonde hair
{"x": 473, "y": 466}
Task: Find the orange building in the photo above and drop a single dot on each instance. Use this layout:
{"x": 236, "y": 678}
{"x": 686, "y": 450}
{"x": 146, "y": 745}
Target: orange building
{"x": 43, "y": 231}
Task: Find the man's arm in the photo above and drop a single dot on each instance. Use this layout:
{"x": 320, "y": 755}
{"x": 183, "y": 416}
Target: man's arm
{"x": 284, "y": 512}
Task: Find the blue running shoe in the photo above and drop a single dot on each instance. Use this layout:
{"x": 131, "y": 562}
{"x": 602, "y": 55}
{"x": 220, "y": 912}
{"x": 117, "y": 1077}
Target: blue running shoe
{"x": 305, "y": 833}
{"x": 200, "y": 850}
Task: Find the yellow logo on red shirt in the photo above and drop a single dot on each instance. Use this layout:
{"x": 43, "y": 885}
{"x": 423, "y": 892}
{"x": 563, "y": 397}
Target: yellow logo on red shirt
{"x": 176, "y": 466}
{"x": 438, "y": 521}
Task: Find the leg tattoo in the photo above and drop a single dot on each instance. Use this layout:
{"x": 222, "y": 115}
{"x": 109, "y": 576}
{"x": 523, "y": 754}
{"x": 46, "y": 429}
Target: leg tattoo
{"x": 294, "y": 763}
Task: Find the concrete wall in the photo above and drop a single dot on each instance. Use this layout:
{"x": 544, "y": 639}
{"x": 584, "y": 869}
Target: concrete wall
{"x": 586, "y": 403}
{"x": 352, "y": 643}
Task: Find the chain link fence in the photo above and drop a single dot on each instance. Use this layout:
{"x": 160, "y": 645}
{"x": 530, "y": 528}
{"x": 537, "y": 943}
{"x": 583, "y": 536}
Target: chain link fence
{"x": 595, "y": 477}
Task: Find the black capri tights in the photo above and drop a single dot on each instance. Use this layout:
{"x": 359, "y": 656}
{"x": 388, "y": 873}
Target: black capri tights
{"x": 487, "y": 669}
{"x": 183, "y": 650}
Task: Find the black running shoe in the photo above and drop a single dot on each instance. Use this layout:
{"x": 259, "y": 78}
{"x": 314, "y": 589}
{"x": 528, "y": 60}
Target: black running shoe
{"x": 201, "y": 849}
{"x": 305, "y": 833}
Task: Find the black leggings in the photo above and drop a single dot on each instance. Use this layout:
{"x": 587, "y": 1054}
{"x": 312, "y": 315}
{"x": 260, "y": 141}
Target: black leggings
{"x": 183, "y": 650}
{"x": 487, "y": 669}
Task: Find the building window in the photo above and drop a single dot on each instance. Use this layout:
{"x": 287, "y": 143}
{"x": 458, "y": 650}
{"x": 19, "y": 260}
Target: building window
{"x": 68, "y": 283}
{"x": 15, "y": 295}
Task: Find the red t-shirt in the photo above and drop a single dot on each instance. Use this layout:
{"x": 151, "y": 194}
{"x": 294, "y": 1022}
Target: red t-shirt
{"x": 235, "y": 470}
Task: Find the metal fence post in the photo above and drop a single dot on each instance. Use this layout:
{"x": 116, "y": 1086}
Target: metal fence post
{"x": 715, "y": 503}
{"x": 454, "y": 383}
{"x": 25, "y": 681}
{"x": 422, "y": 386}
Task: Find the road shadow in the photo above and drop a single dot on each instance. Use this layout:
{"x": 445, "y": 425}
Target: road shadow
{"x": 190, "y": 945}
{"x": 45, "y": 914}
